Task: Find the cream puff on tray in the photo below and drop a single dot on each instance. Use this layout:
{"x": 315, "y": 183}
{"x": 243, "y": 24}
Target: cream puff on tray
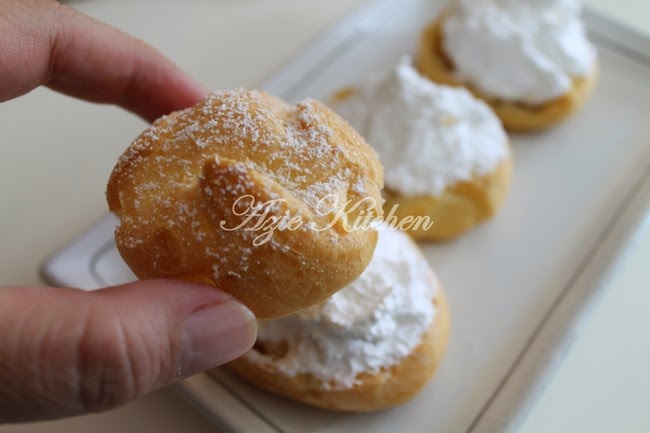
{"x": 529, "y": 59}
{"x": 371, "y": 346}
{"x": 446, "y": 156}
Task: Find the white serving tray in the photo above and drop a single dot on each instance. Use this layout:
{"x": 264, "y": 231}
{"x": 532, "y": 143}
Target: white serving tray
{"x": 517, "y": 286}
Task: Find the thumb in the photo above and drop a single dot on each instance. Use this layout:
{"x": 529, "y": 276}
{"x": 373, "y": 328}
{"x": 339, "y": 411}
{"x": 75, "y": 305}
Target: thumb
{"x": 65, "y": 352}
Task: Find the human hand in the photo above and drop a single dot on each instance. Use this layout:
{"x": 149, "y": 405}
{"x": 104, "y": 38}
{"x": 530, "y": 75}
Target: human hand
{"x": 65, "y": 352}
{"x": 43, "y": 42}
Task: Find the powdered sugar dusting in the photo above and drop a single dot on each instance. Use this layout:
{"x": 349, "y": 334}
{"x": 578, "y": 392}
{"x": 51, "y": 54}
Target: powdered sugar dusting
{"x": 187, "y": 165}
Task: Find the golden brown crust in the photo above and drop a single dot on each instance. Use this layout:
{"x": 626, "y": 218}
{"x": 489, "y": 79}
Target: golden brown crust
{"x": 435, "y": 64}
{"x": 374, "y": 392}
{"x": 459, "y": 208}
{"x": 175, "y": 187}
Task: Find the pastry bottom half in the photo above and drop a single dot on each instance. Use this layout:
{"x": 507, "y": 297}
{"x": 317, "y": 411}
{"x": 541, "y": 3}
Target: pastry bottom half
{"x": 459, "y": 208}
{"x": 374, "y": 391}
{"x": 516, "y": 116}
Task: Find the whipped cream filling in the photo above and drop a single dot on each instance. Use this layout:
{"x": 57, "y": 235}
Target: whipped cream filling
{"x": 373, "y": 323}
{"x": 518, "y": 50}
{"x": 428, "y": 136}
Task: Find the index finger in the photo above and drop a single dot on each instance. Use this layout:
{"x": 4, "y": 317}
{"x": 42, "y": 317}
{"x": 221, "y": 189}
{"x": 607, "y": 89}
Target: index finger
{"x": 52, "y": 44}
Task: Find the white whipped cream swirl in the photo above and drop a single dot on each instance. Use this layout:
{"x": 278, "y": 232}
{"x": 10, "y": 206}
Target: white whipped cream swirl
{"x": 428, "y": 136}
{"x": 374, "y": 323}
{"x": 518, "y": 50}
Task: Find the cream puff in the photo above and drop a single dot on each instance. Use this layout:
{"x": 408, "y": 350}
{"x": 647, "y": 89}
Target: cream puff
{"x": 446, "y": 156}
{"x": 530, "y": 60}
{"x": 372, "y": 346}
{"x": 247, "y": 193}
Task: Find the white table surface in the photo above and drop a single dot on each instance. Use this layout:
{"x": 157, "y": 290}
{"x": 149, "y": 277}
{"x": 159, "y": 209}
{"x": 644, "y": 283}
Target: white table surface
{"x": 57, "y": 153}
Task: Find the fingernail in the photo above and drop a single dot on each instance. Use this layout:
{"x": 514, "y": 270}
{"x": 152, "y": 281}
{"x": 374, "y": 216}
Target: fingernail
{"x": 215, "y": 335}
